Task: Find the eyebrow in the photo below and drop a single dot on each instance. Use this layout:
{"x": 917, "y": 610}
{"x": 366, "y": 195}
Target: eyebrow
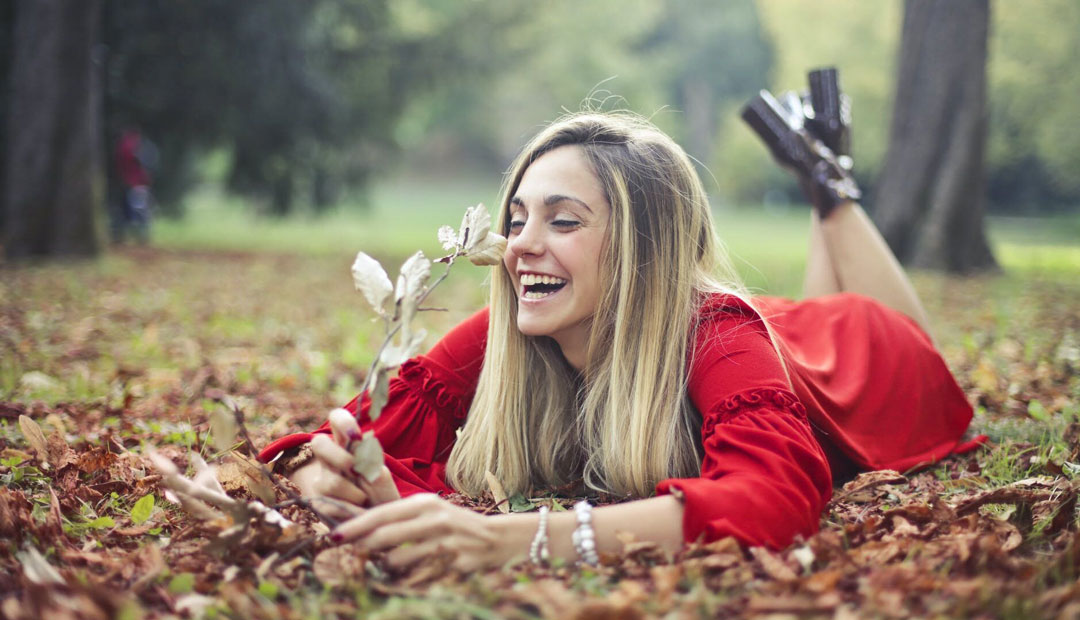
{"x": 552, "y": 199}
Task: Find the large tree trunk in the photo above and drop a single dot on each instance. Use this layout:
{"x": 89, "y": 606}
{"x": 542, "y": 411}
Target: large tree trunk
{"x": 54, "y": 183}
{"x": 931, "y": 194}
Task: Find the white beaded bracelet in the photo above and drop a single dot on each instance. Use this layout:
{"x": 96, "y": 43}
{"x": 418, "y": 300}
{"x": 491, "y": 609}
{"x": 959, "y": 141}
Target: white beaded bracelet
{"x": 584, "y": 538}
{"x": 538, "y": 550}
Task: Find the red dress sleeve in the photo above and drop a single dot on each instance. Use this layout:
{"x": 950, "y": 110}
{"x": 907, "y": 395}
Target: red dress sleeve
{"x": 427, "y": 402}
{"x": 764, "y": 478}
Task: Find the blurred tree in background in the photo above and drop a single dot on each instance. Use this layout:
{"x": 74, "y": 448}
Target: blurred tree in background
{"x": 7, "y": 22}
{"x": 932, "y": 191}
{"x": 300, "y": 104}
{"x": 303, "y": 96}
{"x": 54, "y": 186}
{"x": 1033, "y": 90}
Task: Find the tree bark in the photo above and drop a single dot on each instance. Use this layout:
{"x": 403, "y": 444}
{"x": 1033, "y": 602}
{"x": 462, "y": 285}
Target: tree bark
{"x": 54, "y": 184}
{"x": 931, "y": 194}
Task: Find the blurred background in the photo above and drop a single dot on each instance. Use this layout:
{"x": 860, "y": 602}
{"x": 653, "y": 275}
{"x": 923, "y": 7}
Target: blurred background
{"x": 312, "y": 125}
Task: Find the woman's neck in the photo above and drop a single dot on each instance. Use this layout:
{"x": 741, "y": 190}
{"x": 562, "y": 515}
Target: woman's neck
{"x": 574, "y": 345}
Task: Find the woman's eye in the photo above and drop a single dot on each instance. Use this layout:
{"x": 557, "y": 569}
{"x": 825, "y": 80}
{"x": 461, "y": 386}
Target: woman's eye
{"x": 565, "y": 223}
{"x": 516, "y": 225}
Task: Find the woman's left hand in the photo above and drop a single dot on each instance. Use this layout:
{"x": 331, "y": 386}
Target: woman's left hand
{"x": 434, "y": 526}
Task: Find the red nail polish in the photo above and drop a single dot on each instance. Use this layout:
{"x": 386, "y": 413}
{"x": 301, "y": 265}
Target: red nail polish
{"x": 337, "y": 537}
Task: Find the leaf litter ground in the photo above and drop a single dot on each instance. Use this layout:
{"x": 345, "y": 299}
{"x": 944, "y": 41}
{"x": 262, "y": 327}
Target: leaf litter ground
{"x": 103, "y": 361}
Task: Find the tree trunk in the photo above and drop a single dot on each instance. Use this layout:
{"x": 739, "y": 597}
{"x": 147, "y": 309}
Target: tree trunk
{"x": 54, "y": 176}
{"x": 931, "y": 194}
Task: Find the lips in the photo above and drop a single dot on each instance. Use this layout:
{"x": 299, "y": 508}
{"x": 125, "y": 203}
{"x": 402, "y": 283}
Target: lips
{"x": 539, "y": 286}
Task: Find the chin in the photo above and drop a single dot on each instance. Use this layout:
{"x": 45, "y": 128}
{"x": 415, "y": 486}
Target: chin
{"x": 529, "y": 328}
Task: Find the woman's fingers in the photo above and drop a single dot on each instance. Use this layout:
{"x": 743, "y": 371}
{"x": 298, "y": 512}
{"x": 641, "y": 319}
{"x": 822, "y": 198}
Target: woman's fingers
{"x": 343, "y": 426}
{"x": 393, "y": 512}
{"x": 423, "y": 527}
{"x": 428, "y": 550}
{"x": 382, "y": 489}
{"x": 415, "y": 530}
{"x": 317, "y": 478}
{"x": 331, "y": 484}
{"x": 336, "y": 508}
{"x": 332, "y": 454}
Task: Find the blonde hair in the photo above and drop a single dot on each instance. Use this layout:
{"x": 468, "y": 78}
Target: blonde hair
{"x": 625, "y": 422}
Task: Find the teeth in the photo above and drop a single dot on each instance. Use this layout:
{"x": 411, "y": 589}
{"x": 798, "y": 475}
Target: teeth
{"x": 529, "y": 279}
{"x": 535, "y": 295}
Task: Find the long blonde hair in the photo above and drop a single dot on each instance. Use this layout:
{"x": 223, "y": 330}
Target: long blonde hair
{"x": 625, "y": 422}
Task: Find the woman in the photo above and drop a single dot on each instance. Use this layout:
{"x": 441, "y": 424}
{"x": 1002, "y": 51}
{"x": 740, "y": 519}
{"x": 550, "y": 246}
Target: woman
{"x": 612, "y": 356}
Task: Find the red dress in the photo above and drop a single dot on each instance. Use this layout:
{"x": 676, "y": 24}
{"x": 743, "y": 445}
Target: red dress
{"x": 867, "y": 390}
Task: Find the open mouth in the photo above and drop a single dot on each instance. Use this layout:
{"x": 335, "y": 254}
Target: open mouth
{"x": 538, "y": 286}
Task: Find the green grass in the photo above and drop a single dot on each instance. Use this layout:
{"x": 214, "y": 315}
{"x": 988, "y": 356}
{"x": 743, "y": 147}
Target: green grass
{"x": 767, "y": 245}
{"x": 399, "y": 218}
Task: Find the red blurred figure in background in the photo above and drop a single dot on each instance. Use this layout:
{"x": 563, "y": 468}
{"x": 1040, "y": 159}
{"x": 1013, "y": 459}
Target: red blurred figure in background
{"x": 136, "y": 156}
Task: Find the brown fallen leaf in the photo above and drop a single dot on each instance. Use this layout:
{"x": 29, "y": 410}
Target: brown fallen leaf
{"x": 255, "y": 478}
{"x": 60, "y": 454}
{"x": 32, "y": 432}
{"x": 665, "y": 579}
{"x": 763, "y": 604}
{"x": 497, "y": 492}
{"x": 97, "y": 458}
{"x": 340, "y": 566}
{"x": 15, "y": 515}
{"x": 772, "y": 565}
{"x": 858, "y": 489}
{"x": 901, "y": 527}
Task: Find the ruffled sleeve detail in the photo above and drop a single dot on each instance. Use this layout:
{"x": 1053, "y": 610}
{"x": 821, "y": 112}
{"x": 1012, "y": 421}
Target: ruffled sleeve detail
{"x": 433, "y": 390}
{"x": 764, "y": 478}
{"x": 427, "y": 402}
{"x": 782, "y": 400}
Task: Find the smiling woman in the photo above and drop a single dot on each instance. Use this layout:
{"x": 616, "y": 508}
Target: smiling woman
{"x": 619, "y": 355}
{"x": 555, "y": 239}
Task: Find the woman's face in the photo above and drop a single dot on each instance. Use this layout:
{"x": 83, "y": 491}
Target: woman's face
{"x": 558, "y": 227}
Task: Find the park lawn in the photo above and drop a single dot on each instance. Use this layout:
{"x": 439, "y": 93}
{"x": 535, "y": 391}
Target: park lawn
{"x": 137, "y": 349}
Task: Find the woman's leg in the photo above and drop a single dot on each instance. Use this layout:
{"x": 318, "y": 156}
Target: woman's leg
{"x": 820, "y": 276}
{"x": 863, "y": 262}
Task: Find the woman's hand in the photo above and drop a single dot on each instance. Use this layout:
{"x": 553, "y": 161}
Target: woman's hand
{"x": 434, "y": 527}
{"x": 331, "y": 483}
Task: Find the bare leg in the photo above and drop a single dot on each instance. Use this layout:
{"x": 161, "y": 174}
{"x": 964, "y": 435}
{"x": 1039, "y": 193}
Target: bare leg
{"x": 820, "y": 276}
{"x": 864, "y": 264}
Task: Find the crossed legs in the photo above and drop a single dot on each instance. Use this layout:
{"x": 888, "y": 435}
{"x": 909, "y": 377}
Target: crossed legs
{"x": 847, "y": 254}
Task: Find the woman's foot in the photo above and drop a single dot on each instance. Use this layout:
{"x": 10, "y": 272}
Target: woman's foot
{"x": 803, "y": 140}
{"x": 829, "y": 118}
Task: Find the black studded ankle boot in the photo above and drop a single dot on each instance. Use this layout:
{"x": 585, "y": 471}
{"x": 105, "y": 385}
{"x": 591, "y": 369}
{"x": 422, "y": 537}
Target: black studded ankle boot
{"x": 824, "y": 181}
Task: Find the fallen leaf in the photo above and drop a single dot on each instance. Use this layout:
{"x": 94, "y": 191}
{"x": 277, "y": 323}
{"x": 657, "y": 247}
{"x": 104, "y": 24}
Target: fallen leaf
{"x": 866, "y": 481}
{"x": 773, "y": 566}
{"x": 32, "y": 432}
{"x": 497, "y": 492}
{"x": 37, "y": 569}
{"x": 340, "y": 566}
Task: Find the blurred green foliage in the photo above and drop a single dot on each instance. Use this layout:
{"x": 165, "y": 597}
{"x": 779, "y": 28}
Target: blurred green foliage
{"x": 303, "y": 96}
{"x": 312, "y": 98}
{"x": 302, "y": 103}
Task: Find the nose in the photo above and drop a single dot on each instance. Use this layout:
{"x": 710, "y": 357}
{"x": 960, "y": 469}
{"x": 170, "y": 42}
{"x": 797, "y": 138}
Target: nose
{"x": 529, "y": 241}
